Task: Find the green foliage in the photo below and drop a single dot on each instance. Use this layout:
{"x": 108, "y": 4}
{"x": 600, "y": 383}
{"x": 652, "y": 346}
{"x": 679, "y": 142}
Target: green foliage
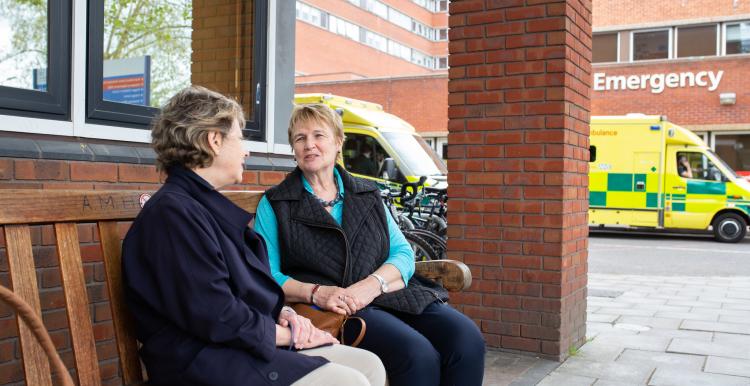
{"x": 132, "y": 28}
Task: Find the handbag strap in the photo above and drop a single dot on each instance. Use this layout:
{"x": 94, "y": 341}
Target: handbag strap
{"x": 362, "y": 331}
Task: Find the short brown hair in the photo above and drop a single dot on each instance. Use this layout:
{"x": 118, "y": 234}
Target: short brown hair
{"x": 179, "y": 134}
{"x": 319, "y": 113}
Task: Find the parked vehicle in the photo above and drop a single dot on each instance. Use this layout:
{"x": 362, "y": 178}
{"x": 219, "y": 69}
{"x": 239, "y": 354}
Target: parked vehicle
{"x": 382, "y": 146}
{"x": 648, "y": 172}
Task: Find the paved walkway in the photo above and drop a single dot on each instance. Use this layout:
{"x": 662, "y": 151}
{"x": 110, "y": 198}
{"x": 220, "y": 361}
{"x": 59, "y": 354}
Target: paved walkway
{"x": 649, "y": 330}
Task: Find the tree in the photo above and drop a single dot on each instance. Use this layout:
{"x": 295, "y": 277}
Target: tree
{"x": 159, "y": 28}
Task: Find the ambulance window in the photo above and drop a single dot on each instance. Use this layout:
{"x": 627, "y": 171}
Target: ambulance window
{"x": 592, "y": 153}
{"x": 697, "y": 166}
{"x": 363, "y": 154}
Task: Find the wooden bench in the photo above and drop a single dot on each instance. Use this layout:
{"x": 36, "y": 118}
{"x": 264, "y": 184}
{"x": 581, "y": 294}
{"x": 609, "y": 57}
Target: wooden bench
{"x": 22, "y": 209}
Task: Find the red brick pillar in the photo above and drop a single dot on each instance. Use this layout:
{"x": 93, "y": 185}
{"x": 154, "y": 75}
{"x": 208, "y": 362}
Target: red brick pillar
{"x": 518, "y": 163}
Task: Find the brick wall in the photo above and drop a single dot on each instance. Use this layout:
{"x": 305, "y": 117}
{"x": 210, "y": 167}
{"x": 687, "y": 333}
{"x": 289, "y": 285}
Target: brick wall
{"x": 684, "y": 106}
{"x": 19, "y": 173}
{"x": 426, "y": 110}
{"x": 517, "y": 159}
{"x": 608, "y": 13}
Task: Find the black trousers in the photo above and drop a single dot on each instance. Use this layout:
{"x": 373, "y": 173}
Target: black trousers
{"x": 441, "y": 346}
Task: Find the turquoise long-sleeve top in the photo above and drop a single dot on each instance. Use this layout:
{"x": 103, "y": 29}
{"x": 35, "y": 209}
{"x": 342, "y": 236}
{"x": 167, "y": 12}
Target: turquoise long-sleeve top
{"x": 400, "y": 254}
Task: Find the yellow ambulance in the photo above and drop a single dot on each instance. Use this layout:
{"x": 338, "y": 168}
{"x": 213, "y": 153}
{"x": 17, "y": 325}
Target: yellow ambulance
{"x": 646, "y": 172}
{"x": 381, "y": 146}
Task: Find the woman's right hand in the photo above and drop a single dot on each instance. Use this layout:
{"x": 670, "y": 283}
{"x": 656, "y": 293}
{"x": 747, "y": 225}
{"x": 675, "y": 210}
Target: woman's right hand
{"x": 336, "y": 299}
{"x": 319, "y": 338}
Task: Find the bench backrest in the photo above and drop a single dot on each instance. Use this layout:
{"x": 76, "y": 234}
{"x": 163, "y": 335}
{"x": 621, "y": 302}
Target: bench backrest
{"x": 64, "y": 209}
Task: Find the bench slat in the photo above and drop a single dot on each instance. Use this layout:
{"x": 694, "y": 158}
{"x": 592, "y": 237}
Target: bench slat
{"x": 77, "y": 302}
{"x": 21, "y": 206}
{"x": 126, "y": 341}
{"x": 453, "y": 275}
{"x": 23, "y": 281}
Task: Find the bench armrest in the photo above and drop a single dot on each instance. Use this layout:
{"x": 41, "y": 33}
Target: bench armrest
{"x": 453, "y": 275}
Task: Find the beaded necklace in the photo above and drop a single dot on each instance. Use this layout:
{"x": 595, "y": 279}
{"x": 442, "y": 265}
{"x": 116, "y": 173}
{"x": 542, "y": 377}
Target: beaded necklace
{"x": 333, "y": 202}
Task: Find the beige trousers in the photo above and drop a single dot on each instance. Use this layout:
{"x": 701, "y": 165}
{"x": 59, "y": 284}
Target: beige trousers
{"x": 348, "y": 367}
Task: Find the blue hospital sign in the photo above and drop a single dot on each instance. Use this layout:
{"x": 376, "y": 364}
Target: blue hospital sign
{"x": 127, "y": 81}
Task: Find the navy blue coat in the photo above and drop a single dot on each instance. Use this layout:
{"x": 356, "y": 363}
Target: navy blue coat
{"x": 198, "y": 284}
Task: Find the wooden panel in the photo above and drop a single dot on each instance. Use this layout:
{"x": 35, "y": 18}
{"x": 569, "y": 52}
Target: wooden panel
{"x": 454, "y": 275}
{"x": 23, "y": 281}
{"x": 77, "y": 302}
{"x": 126, "y": 341}
{"x": 31, "y": 206}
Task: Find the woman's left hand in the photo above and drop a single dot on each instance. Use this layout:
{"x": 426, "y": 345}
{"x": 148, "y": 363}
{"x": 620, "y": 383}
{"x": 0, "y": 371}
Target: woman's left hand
{"x": 301, "y": 327}
{"x": 364, "y": 291}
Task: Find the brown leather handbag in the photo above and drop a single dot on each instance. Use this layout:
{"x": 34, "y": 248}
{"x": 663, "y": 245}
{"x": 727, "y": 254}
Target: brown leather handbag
{"x": 329, "y": 322}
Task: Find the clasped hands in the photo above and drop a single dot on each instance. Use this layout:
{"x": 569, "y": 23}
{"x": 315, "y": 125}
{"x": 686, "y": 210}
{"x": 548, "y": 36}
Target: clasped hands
{"x": 303, "y": 333}
{"x": 347, "y": 301}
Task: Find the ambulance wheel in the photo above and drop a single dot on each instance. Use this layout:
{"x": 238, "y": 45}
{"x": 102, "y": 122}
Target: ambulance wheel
{"x": 729, "y": 228}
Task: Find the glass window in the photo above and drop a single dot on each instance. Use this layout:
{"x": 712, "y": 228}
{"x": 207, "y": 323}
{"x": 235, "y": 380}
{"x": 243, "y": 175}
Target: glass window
{"x": 23, "y": 44}
{"x": 35, "y": 58}
{"x": 415, "y": 154}
{"x": 734, "y": 150}
{"x": 651, "y": 45}
{"x": 443, "y": 6}
{"x": 443, "y": 34}
{"x": 738, "y": 38}
{"x": 696, "y": 41}
{"x": 399, "y": 50}
{"x": 604, "y": 48}
{"x": 377, "y": 8}
{"x": 398, "y": 18}
{"x": 697, "y": 166}
{"x": 375, "y": 40}
{"x": 442, "y": 63}
{"x": 141, "y": 53}
{"x": 363, "y": 155}
{"x": 311, "y": 15}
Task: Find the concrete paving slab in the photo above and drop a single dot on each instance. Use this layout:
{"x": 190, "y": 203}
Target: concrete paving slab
{"x": 694, "y": 303}
{"x": 741, "y": 340}
{"x": 685, "y": 334}
{"x": 672, "y": 296}
{"x": 733, "y": 319}
{"x": 715, "y": 348}
{"x": 676, "y": 377}
{"x": 626, "y": 311}
{"x": 662, "y": 307}
{"x": 600, "y": 350}
{"x": 638, "y": 299}
{"x": 662, "y": 359}
{"x": 722, "y": 311}
{"x": 688, "y": 315}
{"x": 725, "y": 299}
{"x": 607, "y": 382}
{"x": 733, "y": 328}
{"x": 606, "y": 370}
{"x": 594, "y": 329}
{"x": 640, "y": 342}
{"x": 601, "y": 318}
{"x": 666, "y": 323}
{"x": 562, "y": 379}
{"x": 728, "y": 366}
{"x": 742, "y": 307}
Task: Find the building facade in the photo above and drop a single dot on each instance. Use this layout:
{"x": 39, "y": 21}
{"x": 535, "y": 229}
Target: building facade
{"x": 686, "y": 60}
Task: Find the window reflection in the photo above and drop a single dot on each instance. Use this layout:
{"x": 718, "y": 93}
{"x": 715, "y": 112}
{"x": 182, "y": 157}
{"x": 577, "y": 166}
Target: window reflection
{"x": 23, "y": 44}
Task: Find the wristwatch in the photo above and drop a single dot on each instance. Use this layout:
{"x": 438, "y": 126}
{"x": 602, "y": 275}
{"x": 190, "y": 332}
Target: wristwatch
{"x": 383, "y": 283}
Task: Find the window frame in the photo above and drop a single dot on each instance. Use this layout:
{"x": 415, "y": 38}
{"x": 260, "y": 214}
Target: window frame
{"x": 103, "y": 112}
{"x": 677, "y": 39}
{"x": 53, "y": 104}
{"x": 724, "y": 36}
{"x": 617, "y": 33}
{"x": 670, "y": 43}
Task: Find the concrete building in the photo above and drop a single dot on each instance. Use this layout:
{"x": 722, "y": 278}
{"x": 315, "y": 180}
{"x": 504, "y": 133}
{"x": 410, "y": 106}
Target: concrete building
{"x": 704, "y": 43}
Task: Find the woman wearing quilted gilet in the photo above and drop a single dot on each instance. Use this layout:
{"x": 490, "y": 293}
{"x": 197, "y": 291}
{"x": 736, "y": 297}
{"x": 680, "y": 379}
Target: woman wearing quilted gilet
{"x": 331, "y": 243}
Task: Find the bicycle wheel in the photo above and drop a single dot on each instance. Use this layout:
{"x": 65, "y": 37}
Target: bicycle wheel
{"x": 422, "y": 250}
{"x": 437, "y": 243}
